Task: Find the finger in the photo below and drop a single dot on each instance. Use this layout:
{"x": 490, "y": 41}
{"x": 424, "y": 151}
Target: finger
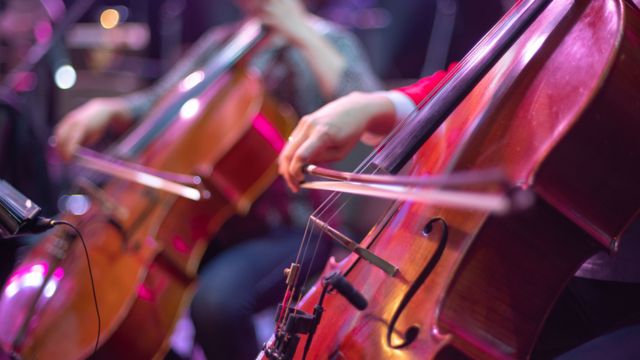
{"x": 285, "y": 153}
{"x": 62, "y": 138}
{"x": 327, "y": 154}
{"x": 301, "y": 127}
{"x": 299, "y": 134}
{"x": 283, "y": 165}
{"x": 306, "y": 152}
{"x": 59, "y": 135}
{"x": 285, "y": 161}
{"x": 72, "y": 143}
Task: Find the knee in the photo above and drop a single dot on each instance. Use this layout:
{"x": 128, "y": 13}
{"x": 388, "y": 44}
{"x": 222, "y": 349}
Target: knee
{"x": 211, "y": 305}
{"x": 211, "y": 309}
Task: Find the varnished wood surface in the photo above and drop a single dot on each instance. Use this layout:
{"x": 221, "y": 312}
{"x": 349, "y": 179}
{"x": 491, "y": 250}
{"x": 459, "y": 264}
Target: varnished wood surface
{"x": 567, "y": 130}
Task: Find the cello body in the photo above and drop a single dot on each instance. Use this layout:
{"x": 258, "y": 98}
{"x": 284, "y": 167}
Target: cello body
{"x": 558, "y": 114}
{"x": 145, "y": 245}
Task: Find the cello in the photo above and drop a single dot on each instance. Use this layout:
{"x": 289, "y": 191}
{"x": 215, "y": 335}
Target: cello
{"x": 171, "y": 183}
{"x": 550, "y": 98}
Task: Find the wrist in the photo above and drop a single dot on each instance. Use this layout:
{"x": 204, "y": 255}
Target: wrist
{"x": 374, "y": 104}
{"x": 117, "y": 107}
{"x": 378, "y": 111}
{"x": 116, "y": 113}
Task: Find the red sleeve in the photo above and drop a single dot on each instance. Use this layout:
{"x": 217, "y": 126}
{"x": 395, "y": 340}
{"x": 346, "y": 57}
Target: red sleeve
{"x": 420, "y": 89}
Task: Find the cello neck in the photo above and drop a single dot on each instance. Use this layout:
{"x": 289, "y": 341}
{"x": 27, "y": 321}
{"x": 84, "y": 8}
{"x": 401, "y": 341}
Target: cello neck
{"x": 403, "y": 144}
{"x": 236, "y": 49}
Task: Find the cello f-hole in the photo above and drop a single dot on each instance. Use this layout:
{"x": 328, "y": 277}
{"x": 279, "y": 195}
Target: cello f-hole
{"x": 428, "y": 228}
{"x": 412, "y": 332}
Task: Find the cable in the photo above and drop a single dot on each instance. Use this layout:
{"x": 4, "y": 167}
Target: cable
{"x": 93, "y": 286}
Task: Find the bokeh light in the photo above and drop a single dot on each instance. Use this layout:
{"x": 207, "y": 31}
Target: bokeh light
{"x": 109, "y": 18}
{"x": 65, "y": 77}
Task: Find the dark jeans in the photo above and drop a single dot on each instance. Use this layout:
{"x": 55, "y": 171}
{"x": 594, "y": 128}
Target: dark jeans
{"x": 240, "y": 281}
{"x": 594, "y": 318}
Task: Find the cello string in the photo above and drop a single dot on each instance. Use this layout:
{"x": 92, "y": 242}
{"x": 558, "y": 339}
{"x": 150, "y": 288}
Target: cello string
{"x": 368, "y": 161}
{"x": 476, "y": 53}
{"x": 309, "y": 231}
{"x": 330, "y": 218}
{"x": 324, "y": 208}
{"x": 329, "y": 203}
{"x": 472, "y": 56}
{"x": 334, "y": 198}
{"x": 306, "y": 240}
{"x": 320, "y": 213}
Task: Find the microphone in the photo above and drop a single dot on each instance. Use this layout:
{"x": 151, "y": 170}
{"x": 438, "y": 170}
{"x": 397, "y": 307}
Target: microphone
{"x": 347, "y": 290}
{"x": 18, "y": 214}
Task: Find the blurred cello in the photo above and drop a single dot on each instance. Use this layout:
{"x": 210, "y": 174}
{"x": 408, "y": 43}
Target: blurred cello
{"x": 549, "y": 97}
{"x": 172, "y": 182}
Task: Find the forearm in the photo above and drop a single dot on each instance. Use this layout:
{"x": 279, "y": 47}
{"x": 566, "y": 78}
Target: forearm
{"x": 325, "y": 61}
{"x": 357, "y": 74}
{"x": 121, "y": 110}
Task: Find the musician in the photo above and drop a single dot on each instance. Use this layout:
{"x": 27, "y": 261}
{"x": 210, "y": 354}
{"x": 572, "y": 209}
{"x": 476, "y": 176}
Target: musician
{"x": 599, "y": 304}
{"x": 307, "y": 62}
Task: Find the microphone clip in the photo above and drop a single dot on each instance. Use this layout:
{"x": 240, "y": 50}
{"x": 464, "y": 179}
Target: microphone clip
{"x": 298, "y": 322}
{"x": 18, "y": 214}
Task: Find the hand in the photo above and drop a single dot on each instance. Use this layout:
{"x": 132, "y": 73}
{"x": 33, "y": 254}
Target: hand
{"x": 288, "y": 17}
{"x": 87, "y": 124}
{"x": 331, "y": 132}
